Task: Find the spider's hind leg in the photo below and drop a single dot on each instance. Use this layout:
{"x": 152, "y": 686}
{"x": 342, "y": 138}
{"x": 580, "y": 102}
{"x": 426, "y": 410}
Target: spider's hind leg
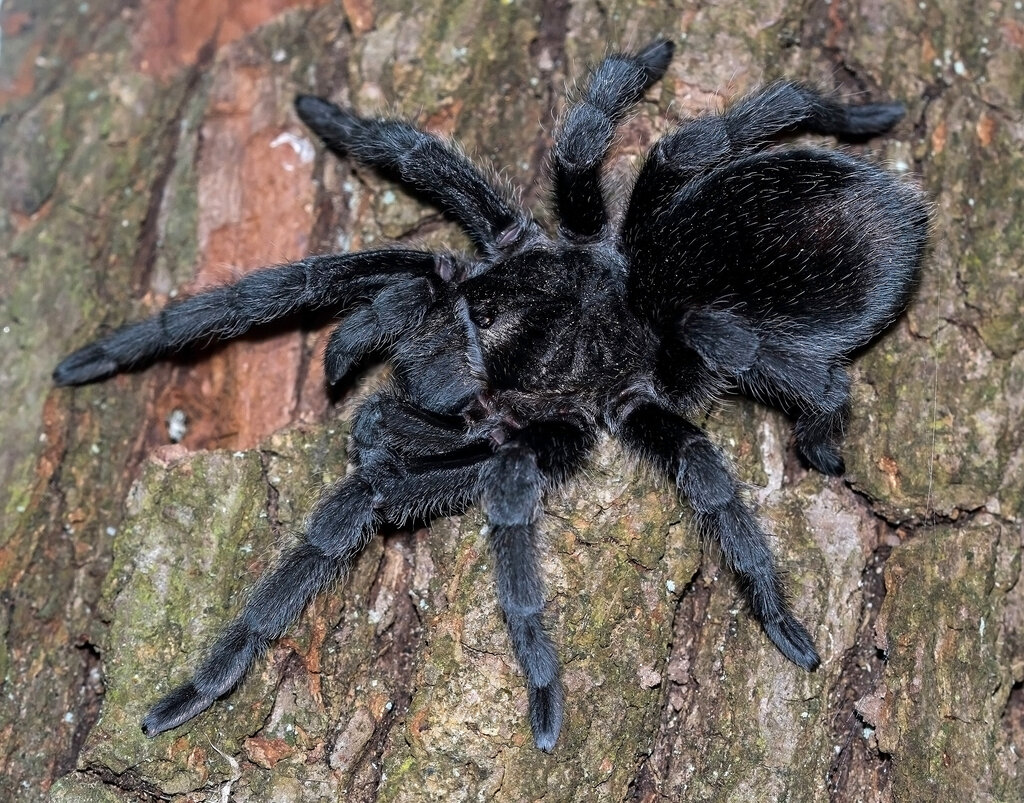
{"x": 783, "y": 108}
{"x": 816, "y": 397}
{"x": 703, "y": 478}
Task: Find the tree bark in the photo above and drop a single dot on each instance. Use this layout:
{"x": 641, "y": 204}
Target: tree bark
{"x": 150, "y": 146}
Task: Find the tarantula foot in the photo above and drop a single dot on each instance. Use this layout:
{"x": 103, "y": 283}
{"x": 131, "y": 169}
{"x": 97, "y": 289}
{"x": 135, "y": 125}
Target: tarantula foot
{"x": 655, "y": 58}
{"x": 326, "y": 119}
{"x": 176, "y": 708}
{"x": 85, "y": 365}
{"x": 793, "y": 641}
{"x": 546, "y": 706}
{"x": 872, "y": 118}
{"x": 823, "y": 457}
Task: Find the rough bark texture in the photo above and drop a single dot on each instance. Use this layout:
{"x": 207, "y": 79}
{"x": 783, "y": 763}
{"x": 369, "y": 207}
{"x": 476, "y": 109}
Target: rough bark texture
{"x": 150, "y": 145}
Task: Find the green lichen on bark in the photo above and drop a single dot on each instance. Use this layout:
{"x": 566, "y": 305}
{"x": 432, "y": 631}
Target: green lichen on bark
{"x": 950, "y": 667}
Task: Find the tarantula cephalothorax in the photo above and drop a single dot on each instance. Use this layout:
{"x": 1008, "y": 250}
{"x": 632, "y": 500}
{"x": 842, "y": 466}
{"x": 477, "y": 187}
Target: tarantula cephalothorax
{"x": 733, "y": 267}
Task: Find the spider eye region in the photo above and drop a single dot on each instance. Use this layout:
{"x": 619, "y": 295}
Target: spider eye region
{"x": 482, "y": 317}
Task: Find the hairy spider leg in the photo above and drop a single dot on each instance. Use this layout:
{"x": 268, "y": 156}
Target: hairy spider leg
{"x": 783, "y": 108}
{"x": 395, "y": 483}
{"x": 703, "y": 478}
{"x": 821, "y": 425}
{"x": 586, "y": 134}
{"x": 391, "y": 422}
{"x": 398, "y": 308}
{"x": 385, "y": 486}
{"x": 431, "y": 342}
{"x": 430, "y": 167}
{"x": 226, "y": 312}
{"x": 511, "y": 487}
{"x": 338, "y": 529}
{"x": 816, "y": 396}
{"x": 392, "y": 434}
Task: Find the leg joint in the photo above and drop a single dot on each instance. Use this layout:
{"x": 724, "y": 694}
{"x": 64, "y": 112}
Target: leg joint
{"x": 511, "y": 486}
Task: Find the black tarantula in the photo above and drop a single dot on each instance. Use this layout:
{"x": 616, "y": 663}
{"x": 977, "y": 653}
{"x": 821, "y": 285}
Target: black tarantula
{"x": 732, "y": 268}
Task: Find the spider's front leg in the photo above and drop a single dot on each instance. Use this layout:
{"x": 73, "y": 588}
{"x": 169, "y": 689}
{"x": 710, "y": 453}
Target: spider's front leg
{"x": 586, "y": 134}
{"x": 430, "y": 341}
{"x": 260, "y": 297}
{"x": 432, "y": 169}
{"x": 396, "y": 309}
{"x": 337, "y": 530}
{"x": 703, "y": 478}
{"x": 411, "y": 464}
